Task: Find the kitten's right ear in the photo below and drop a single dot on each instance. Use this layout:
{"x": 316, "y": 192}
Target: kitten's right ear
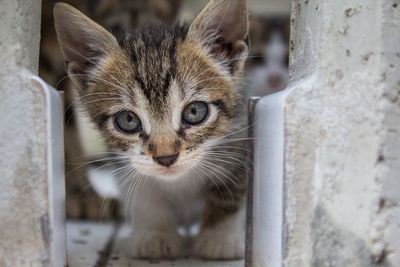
{"x": 222, "y": 27}
{"x": 82, "y": 41}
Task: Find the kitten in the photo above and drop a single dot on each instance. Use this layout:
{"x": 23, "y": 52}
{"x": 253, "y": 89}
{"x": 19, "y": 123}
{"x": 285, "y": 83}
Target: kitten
{"x": 166, "y": 99}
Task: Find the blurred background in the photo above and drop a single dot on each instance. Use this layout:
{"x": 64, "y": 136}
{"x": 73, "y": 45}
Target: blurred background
{"x": 265, "y": 73}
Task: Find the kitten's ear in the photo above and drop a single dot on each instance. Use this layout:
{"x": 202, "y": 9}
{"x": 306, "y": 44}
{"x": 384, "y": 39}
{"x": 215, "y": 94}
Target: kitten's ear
{"x": 222, "y": 26}
{"x": 83, "y": 42}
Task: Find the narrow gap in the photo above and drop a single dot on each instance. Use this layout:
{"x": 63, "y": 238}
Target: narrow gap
{"x": 105, "y": 253}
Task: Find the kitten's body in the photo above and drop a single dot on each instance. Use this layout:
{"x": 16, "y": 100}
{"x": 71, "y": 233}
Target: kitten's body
{"x": 166, "y": 99}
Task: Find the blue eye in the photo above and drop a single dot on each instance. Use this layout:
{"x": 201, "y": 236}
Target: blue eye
{"x": 128, "y": 122}
{"x": 195, "y": 112}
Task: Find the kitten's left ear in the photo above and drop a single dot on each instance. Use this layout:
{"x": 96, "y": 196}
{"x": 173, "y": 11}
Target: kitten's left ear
{"x": 222, "y": 27}
{"x": 83, "y": 42}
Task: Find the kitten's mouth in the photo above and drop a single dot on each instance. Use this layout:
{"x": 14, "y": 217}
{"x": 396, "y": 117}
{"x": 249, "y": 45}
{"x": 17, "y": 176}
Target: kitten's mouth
{"x": 171, "y": 170}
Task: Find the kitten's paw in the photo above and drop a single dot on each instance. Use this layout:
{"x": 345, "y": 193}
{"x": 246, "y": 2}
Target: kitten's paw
{"x": 216, "y": 245}
{"x": 152, "y": 245}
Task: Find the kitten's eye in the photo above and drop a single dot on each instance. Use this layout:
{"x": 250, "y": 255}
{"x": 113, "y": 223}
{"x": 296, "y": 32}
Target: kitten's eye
{"x": 195, "y": 112}
{"x": 128, "y": 122}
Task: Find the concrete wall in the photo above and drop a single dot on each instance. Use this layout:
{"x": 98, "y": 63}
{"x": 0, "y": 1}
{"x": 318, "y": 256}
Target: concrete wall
{"x": 342, "y": 135}
{"x": 29, "y": 209}
{"x": 20, "y": 33}
{"x": 24, "y": 203}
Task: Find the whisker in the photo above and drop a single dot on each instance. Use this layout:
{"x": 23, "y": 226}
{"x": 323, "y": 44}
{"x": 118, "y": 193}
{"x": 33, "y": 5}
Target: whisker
{"x": 235, "y": 148}
{"x": 92, "y": 77}
{"x": 208, "y": 167}
{"x": 220, "y": 158}
{"x": 89, "y": 95}
{"x": 90, "y": 162}
{"x": 230, "y": 134}
{"x": 222, "y": 171}
{"x": 138, "y": 177}
{"x": 134, "y": 181}
{"x": 216, "y": 142}
{"x": 102, "y": 153}
{"x": 107, "y": 201}
{"x": 203, "y": 169}
{"x": 224, "y": 153}
{"x": 101, "y": 99}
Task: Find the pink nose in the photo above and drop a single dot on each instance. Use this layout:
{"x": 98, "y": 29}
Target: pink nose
{"x": 166, "y": 160}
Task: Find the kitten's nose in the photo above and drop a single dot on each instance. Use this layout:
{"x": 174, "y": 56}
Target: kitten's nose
{"x": 166, "y": 160}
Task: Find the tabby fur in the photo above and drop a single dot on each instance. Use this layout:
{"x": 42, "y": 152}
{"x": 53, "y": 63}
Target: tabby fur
{"x": 155, "y": 72}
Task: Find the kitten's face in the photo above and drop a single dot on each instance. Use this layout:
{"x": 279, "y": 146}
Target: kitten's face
{"x": 160, "y": 96}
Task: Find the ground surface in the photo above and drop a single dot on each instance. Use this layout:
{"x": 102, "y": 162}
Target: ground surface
{"x": 91, "y": 245}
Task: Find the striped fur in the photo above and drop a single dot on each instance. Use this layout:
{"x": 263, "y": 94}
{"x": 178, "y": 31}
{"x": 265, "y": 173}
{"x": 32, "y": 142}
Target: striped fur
{"x": 155, "y": 72}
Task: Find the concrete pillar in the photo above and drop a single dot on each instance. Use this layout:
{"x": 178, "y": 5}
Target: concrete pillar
{"x": 342, "y": 135}
{"x": 31, "y": 151}
{"x": 340, "y": 190}
{"x": 20, "y": 33}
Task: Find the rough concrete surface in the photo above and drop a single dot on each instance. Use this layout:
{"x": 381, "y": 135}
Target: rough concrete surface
{"x": 23, "y": 198}
{"x": 20, "y": 32}
{"x": 342, "y": 135}
{"x": 32, "y": 199}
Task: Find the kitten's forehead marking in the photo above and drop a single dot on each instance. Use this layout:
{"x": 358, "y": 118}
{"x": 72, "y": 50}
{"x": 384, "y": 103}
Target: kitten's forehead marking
{"x": 152, "y": 51}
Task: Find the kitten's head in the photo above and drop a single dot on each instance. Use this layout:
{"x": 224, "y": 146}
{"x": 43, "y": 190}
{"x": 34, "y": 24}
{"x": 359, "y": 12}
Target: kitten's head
{"x": 161, "y": 95}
